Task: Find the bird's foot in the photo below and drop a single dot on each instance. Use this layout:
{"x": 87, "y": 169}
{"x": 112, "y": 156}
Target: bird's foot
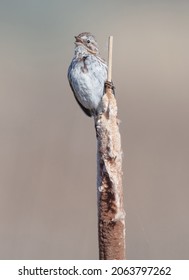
{"x": 110, "y": 85}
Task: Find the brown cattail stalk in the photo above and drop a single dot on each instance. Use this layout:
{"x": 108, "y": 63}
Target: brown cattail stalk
{"x": 111, "y": 215}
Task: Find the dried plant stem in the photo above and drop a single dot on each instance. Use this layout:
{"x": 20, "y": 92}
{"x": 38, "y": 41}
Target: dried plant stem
{"x": 111, "y": 215}
{"x": 110, "y": 50}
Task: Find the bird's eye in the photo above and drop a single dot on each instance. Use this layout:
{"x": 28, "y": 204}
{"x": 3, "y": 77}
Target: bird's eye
{"x": 88, "y": 41}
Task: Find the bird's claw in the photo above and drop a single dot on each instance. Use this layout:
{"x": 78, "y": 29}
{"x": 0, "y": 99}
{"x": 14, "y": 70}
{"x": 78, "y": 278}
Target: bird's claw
{"x": 110, "y": 85}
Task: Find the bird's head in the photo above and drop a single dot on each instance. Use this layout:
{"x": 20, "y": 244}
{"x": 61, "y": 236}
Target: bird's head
{"x": 87, "y": 40}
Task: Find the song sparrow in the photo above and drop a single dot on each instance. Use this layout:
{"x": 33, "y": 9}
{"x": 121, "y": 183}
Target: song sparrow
{"x": 87, "y": 74}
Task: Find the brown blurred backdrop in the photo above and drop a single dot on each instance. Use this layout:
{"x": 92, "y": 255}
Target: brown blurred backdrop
{"x": 48, "y": 147}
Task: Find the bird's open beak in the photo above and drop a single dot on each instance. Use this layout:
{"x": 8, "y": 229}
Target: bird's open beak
{"x": 78, "y": 40}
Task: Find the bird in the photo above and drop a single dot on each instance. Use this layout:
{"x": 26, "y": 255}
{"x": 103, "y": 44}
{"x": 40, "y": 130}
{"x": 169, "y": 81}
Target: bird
{"x": 87, "y": 74}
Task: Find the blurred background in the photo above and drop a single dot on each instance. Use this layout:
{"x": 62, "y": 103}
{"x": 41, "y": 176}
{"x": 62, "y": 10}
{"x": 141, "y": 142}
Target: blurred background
{"x": 47, "y": 145}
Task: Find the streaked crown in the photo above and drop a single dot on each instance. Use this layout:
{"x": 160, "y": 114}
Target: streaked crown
{"x": 88, "y": 41}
